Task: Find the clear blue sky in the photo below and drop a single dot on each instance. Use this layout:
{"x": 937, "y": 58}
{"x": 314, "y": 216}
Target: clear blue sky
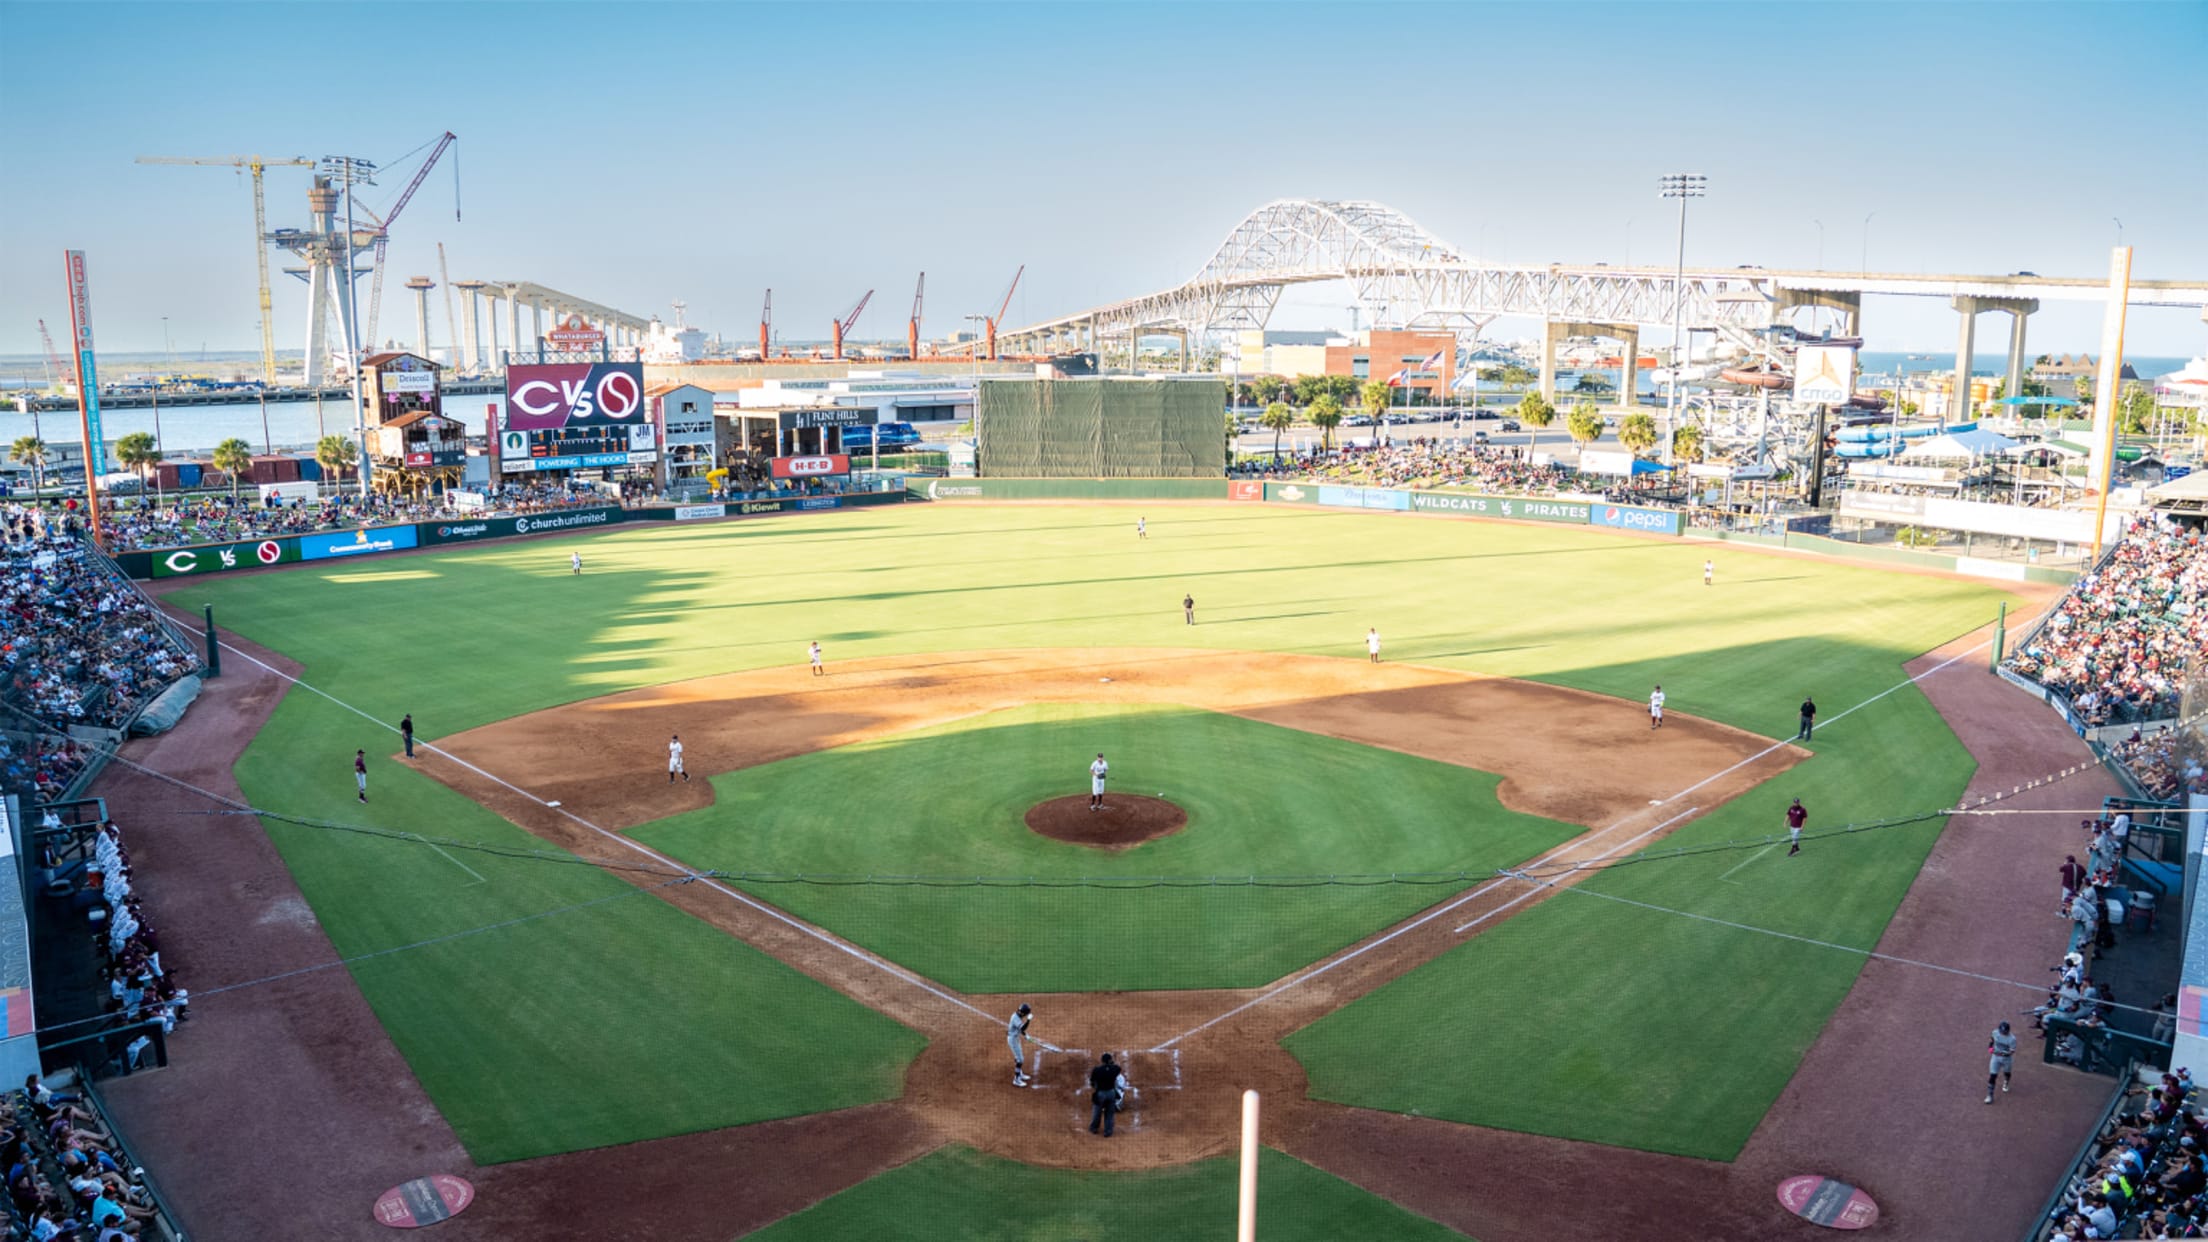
{"x": 640, "y": 153}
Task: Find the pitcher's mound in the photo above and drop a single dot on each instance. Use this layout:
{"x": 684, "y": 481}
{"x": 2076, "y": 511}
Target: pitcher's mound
{"x": 1125, "y": 821}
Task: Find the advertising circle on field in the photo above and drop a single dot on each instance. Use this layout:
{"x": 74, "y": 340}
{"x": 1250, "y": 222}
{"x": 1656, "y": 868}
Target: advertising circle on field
{"x": 1823, "y": 1201}
{"x": 424, "y": 1201}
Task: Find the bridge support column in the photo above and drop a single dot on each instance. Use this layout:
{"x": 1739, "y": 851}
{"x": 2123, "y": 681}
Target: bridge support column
{"x": 2017, "y": 316}
{"x": 1629, "y": 374}
{"x": 513, "y": 322}
{"x": 1966, "y": 339}
{"x": 1551, "y": 333}
{"x": 1958, "y": 409}
{"x": 536, "y": 316}
{"x": 1628, "y": 334}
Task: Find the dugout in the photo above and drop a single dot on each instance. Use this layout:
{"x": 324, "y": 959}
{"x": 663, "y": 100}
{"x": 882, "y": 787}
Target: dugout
{"x": 1106, "y": 428}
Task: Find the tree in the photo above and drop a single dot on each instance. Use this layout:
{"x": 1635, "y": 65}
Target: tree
{"x": 1535, "y": 411}
{"x": 31, "y": 451}
{"x": 1325, "y": 414}
{"x": 1584, "y": 424}
{"x": 1907, "y": 409}
{"x": 1376, "y": 396}
{"x": 1637, "y": 432}
{"x": 1343, "y": 388}
{"x": 1309, "y": 388}
{"x": 2135, "y": 410}
{"x": 1266, "y": 389}
{"x": 1591, "y": 382}
{"x": 234, "y": 457}
{"x": 1515, "y": 376}
{"x": 336, "y": 453}
{"x": 2085, "y": 388}
{"x": 1686, "y": 443}
{"x": 1278, "y": 418}
{"x": 136, "y": 451}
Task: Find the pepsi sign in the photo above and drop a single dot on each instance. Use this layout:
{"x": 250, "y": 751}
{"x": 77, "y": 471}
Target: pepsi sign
{"x": 811, "y": 467}
{"x": 547, "y": 397}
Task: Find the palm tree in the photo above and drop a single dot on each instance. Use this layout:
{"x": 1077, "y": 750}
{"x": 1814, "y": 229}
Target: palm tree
{"x": 1325, "y": 414}
{"x": 1637, "y": 432}
{"x": 234, "y": 457}
{"x": 1278, "y": 418}
{"x": 336, "y": 453}
{"x": 1686, "y": 443}
{"x": 1535, "y": 411}
{"x": 1584, "y": 423}
{"x": 1376, "y": 396}
{"x": 136, "y": 451}
{"x": 31, "y": 451}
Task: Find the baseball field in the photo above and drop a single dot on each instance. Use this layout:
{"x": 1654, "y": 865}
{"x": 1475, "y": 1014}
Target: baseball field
{"x": 1465, "y": 886}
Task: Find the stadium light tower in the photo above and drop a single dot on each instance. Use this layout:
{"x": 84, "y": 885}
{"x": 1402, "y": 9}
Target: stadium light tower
{"x": 1681, "y": 186}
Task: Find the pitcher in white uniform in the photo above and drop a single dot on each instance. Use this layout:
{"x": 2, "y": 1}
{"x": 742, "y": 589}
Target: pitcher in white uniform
{"x": 1097, "y": 772}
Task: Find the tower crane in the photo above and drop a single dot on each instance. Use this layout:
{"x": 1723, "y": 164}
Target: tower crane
{"x": 57, "y": 376}
{"x": 766, "y": 321}
{"x": 254, "y": 163}
{"x": 382, "y": 227}
{"x": 912, "y": 325}
{"x": 1003, "y": 306}
{"x": 844, "y": 325}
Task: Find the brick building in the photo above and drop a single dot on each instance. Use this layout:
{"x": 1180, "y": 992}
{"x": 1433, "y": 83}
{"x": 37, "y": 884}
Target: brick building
{"x": 1381, "y": 352}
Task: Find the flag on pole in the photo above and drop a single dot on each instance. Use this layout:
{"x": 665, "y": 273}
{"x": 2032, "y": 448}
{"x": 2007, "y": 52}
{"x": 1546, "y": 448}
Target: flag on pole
{"x": 1396, "y": 380}
{"x": 1435, "y": 360}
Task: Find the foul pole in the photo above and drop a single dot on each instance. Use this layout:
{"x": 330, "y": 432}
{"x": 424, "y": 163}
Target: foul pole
{"x": 1245, "y": 1229}
{"x": 2111, "y": 384}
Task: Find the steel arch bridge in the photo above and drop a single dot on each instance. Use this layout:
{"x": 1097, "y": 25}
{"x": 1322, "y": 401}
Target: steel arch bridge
{"x": 1408, "y": 276}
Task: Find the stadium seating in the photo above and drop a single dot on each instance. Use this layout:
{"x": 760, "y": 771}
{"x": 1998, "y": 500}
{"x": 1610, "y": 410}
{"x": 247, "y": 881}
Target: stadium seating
{"x": 78, "y": 643}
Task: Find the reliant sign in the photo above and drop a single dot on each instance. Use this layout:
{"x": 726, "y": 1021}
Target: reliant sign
{"x": 811, "y": 467}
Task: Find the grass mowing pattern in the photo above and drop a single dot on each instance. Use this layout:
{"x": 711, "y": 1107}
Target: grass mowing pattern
{"x": 471, "y": 635}
{"x": 1261, "y": 799}
{"x": 960, "y": 1192}
{"x": 623, "y": 1020}
{"x": 1643, "y": 1029}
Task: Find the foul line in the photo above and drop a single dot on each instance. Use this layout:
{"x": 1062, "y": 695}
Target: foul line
{"x": 1726, "y": 878}
{"x": 688, "y": 873}
{"x": 1489, "y": 887}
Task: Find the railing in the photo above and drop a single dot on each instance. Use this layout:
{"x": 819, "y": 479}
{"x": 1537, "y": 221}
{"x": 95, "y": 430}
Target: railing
{"x": 2100, "y": 1049}
{"x": 111, "y": 1052}
{"x": 165, "y": 1218}
{"x": 2081, "y": 1165}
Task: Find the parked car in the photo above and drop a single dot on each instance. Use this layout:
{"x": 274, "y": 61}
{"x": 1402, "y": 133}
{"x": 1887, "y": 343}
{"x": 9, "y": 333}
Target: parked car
{"x": 860, "y": 439}
{"x": 1479, "y": 437}
{"x": 1357, "y": 420}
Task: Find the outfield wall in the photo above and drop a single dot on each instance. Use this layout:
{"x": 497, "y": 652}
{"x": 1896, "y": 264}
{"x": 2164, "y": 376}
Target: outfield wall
{"x": 196, "y": 560}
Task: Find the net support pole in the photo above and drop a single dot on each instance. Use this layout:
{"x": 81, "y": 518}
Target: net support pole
{"x": 2000, "y": 634}
{"x": 214, "y": 648}
{"x": 1245, "y": 1229}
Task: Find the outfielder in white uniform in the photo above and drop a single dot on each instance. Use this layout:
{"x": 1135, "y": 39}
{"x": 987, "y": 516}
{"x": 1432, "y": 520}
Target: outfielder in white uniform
{"x": 1709, "y": 572}
{"x": 1372, "y": 645}
{"x": 575, "y": 562}
{"x": 1142, "y": 528}
{"x": 1015, "y": 1037}
{"x": 1656, "y": 708}
{"x": 813, "y": 653}
{"x": 1097, "y": 772}
{"x": 674, "y": 759}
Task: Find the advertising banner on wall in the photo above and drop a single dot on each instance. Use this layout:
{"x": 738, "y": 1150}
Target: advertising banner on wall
{"x": 499, "y": 528}
{"x": 1521, "y": 508}
{"x": 215, "y": 558}
{"x": 811, "y": 467}
{"x": 1633, "y": 517}
{"x": 88, "y": 369}
{"x": 1245, "y": 489}
{"x": 1824, "y": 374}
{"x": 1363, "y": 498}
{"x": 355, "y": 542}
{"x": 693, "y": 513}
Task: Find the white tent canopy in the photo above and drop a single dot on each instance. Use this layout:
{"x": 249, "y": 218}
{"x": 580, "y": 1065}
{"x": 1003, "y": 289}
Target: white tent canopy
{"x": 2192, "y": 489}
{"x": 1973, "y": 444}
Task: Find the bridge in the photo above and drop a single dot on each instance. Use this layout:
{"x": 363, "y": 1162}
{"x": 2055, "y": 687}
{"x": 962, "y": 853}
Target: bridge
{"x": 1408, "y": 276}
{"x": 481, "y": 350}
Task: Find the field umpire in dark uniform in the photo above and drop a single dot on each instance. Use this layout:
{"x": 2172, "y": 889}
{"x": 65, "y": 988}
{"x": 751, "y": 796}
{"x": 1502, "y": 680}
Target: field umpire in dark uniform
{"x": 1809, "y": 718}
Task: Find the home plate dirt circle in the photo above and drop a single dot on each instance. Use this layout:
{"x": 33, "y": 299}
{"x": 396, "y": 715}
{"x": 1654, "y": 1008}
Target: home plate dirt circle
{"x": 1125, "y": 821}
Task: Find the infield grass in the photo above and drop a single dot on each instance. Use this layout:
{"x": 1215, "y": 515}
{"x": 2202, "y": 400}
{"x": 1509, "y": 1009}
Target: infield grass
{"x": 960, "y": 1192}
{"x": 468, "y": 636}
{"x": 1262, "y": 800}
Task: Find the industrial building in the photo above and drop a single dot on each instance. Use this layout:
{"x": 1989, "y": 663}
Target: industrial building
{"x": 1422, "y": 361}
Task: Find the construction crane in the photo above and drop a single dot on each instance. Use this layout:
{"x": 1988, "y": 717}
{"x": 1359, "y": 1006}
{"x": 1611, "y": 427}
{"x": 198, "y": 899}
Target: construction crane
{"x": 255, "y": 163}
{"x": 58, "y": 377}
{"x": 1003, "y": 306}
{"x": 383, "y": 226}
{"x": 912, "y": 325}
{"x": 843, "y": 325}
{"x": 766, "y": 321}
{"x": 452, "y": 335}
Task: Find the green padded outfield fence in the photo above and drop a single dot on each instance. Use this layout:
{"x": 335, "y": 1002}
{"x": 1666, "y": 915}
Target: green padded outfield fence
{"x": 1101, "y": 429}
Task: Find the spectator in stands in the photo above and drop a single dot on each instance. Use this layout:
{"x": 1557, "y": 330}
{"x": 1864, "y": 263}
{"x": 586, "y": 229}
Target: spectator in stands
{"x": 2117, "y": 644}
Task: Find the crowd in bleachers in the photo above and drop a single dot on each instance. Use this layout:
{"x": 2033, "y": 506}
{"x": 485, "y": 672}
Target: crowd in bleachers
{"x": 2145, "y": 1176}
{"x": 78, "y": 643}
{"x": 68, "y": 1177}
{"x": 2168, "y": 762}
{"x": 226, "y": 519}
{"x": 2118, "y": 645}
{"x": 1427, "y": 462}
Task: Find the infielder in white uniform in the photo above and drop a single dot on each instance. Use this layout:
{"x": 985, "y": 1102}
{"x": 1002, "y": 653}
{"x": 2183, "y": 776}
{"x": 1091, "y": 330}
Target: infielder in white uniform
{"x": 1097, "y": 772}
{"x": 1015, "y": 1037}
{"x": 813, "y": 653}
{"x": 674, "y": 759}
{"x": 575, "y": 562}
{"x": 1656, "y": 708}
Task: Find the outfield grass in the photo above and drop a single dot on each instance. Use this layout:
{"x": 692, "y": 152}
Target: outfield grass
{"x": 1262, "y": 800}
{"x": 960, "y": 1192}
{"x": 468, "y": 636}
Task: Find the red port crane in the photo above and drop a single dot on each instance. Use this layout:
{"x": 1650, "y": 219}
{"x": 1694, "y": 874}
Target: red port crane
{"x": 58, "y": 375}
{"x": 843, "y": 325}
{"x": 998, "y": 318}
{"x": 912, "y": 325}
{"x": 766, "y": 321}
